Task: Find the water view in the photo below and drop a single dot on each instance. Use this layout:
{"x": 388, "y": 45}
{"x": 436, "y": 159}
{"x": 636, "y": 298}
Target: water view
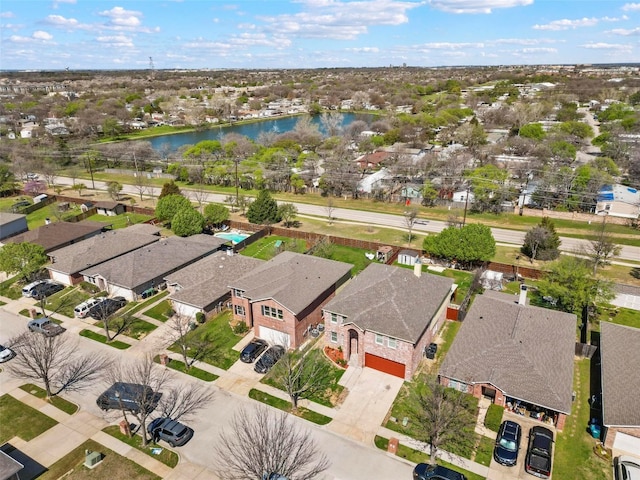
{"x": 250, "y": 130}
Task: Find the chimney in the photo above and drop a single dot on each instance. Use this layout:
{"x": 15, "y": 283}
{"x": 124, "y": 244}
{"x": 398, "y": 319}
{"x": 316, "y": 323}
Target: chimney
{"x": 417, "y": 268}
{"x": 522, "y": 300}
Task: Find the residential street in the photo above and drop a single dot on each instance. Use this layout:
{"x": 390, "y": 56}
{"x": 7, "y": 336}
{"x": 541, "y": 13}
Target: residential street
{"x": 364, "y": 217}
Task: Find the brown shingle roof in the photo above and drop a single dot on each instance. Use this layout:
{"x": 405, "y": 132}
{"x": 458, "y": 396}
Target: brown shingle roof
{"x": 391, "y": 301}
{"x": 206, "y": 280}
{"x": 620, "y": 357}
{"x": 292, "y": 279}
{"x": 59, "y": 234}
{"x": 525, "y": 351}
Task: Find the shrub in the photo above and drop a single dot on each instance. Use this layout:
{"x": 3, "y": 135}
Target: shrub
{"x": 200, "y": 317}
{"x": 89, "y": 287}
{"x": 494, "y": 417}
{"x": 240, "y": 328}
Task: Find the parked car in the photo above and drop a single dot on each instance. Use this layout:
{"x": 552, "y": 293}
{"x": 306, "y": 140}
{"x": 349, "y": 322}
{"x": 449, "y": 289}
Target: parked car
{"x": 426, "y": 471}
{"x": 171, "y": 431}
{"x": 430, "y": 351}
{"x": 128, "y": 396}
{"x": 82, "y": 310}
{"x": 508, "y": 443}
{"x": 269, "y": 359}
{"x": 45, "y": 326}
{"x": 253, "y": 350}
{"x": 46, "y": 289}
{"x": 28, "y": 289}
{"x": 627, "y": 468}
{"x": 538, "y": 461}
{"x": 6, "y": 354}
{"x": 108, "y": 306}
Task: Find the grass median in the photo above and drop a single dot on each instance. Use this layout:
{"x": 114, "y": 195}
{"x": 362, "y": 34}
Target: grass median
{"x": 196, "y": 372}
{"x": 286, "y": 406}
{"x": 166, "y": 456}
{"x": 102, "y": 339}
{"x": 58, "y": 402}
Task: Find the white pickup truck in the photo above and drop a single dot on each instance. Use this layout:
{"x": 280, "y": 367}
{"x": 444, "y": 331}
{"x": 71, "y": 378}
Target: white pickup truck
{"x": 45, "y": 326}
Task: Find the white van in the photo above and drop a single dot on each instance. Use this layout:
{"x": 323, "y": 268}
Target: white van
{"x": 82, "y": 309}
{"x": 29, "y": 289}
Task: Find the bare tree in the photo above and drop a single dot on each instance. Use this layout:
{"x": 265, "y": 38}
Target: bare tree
{"x": 54, "y": 361}
{"x": 330, "y": 208}
{"x": 410, "y": 217}
{"x": 141, "y": 183}
{"x": 602, "y": 248}
{"x": 112, "y": 323}
{"x": 444, "y": 415}
{"x": 261, "y": 442}
{"x": 302, "y": 376}
{"x": 184, "y": 400}
{"x": 192, "y": 347}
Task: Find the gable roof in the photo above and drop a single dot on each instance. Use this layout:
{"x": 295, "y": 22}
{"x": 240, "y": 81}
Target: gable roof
{"x": 206, "y": 280}
{"x": 59, "y": 234}
{"x": 155, "y": 260}
{"x": 620, "y": 360}
{"x": 525, "y": 351}
{"x": 391, "y": 301}
{"x": 292, "y": 279}
{"x": 98, "y": 249}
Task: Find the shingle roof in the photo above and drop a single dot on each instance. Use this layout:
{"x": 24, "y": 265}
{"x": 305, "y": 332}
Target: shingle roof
{"x": 292, "y": 279}
{"x": 98, "y": 249}
{"x": 6, "y": 217}
{"x": 206, "y": 280}
{"x": 525, "y": 351}
{"x": 391, "y": 301}
{"x": 620, "y": 364}
{"x": 58, "y": 234}
{"x": 155, "y": 260}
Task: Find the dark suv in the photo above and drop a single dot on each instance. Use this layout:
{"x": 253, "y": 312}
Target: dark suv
{"x": 507, "y": 443}
{"x": 426, "y": 471}
{"x": 253, "y": 350}
{"x": 171, "y": 431}
{"x": 46, "y": 289}
{"x": 128, "y": 396}
{"x": 269, "y": 359}
{"x": 105, "y": 308}
{"x": 538, "y": 461}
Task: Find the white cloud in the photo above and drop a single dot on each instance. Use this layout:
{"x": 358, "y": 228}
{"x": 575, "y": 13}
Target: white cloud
{"x": 625, "y": 32}
{"x": 57, "y": 3}
{"x": 449, "y": 45}
{"x": 116, "y": 40}
{"x": 607, "y": 46}
{"x": 363, "y": 50}
{"x": 614, "y": 19}
{"x": 538, "y": 50}
{"x": 631, "y": 7}
{"x": 522, "y": 41}
{"x": 120, "y": 17}
{"x": 38, "y": 36}
{"x": 6, "y": 15}
{"x": 566, "y": 24}
{"x": 336, "y": 19}
{"x": 476, "y": 6}
{"x": 41, "y": 35}
{"x": 62, "y": 22}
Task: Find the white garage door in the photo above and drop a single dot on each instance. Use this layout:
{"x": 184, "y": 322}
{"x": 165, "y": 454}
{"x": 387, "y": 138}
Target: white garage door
{"x": 274, "y": 337}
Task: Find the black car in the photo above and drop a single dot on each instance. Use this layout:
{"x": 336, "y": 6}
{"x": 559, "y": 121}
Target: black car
{"x": 426, "y": 471}
{"x": 507, "y": 443}
{"x": 105, "y": 308}
{"x": 430, "y": 351}
{"x": 46, "y": 289}
{"x": 538, "y": 460}
{"x": 129, "y": 396}
{"x": 269, "y": 359}
{"x": 171, "y": 431}
{"x": 253, "y": 350}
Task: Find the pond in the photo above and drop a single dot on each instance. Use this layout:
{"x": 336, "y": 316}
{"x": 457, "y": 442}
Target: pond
{"x": 250, "y": 130}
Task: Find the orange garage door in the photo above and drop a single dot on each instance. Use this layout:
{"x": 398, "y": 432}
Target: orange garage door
{"x": 384, "y": 365}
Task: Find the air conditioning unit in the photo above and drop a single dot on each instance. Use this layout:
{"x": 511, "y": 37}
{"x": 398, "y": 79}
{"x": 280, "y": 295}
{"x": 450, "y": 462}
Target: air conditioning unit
{"x": 92, "y": 459}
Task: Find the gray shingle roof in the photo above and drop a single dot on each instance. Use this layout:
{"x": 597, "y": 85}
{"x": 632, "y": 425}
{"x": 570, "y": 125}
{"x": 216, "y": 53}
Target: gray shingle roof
{"x": 391, "y": 301}
{"x": 206, "y": 280}
{"x": 292, "y": 279}
{"x": 620, "y": 356}
{"x": 58, "y": 234}
{"x": 525, "y": 351}
{"x": 98, "y": 249}
{"x": 155, "y": 260}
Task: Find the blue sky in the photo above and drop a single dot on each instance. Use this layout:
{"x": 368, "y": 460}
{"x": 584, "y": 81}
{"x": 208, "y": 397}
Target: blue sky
{"x": 88, "y": 34}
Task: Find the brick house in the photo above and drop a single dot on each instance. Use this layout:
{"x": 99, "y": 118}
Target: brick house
{"x": 386, "y": 315}
{"x": 519, "y": 356}
{"x": 619, "y": 365}
{"x": 283, "y": 298}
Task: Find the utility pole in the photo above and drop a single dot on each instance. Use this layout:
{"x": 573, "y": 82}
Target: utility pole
{"x": 466, "y": 204}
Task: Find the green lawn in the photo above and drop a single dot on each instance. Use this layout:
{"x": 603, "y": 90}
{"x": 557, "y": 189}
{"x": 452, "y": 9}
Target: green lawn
{"x": 574, "y": 456}
{"x": 56, "y": 401}
{"x": 167, "y": 457}
{"x": 484, "y": 451}
{"x": 284, "y": 405}
{"x": 64, "y": 301}
{"x": 494, "y": 417}
{"x": 138, "y": 329}
{"x": 120, "y": 221}
{"x": 159, "y": 311}
{"x": 218, "y": 333}
{"x": 98, "y": 337}
{"x": 448, "y": 334}
{"x": 352, "y": 255}
{"x": 11, "y": 288}
{"x": 196, "y": 372}
{"x": 20, "y": 420}
{"x": 620, "y": 316}
{"x": 134, "y": 307}
{"x": 265, "y": 249}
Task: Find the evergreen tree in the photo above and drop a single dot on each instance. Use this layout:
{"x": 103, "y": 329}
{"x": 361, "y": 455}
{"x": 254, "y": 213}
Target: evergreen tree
{"x": 168, "y": 206}
{"x": 542, "y": 241}
{"x": 264, "y": 210}
{"x": 187, "y": 222}
{"x": 169, "y": 188}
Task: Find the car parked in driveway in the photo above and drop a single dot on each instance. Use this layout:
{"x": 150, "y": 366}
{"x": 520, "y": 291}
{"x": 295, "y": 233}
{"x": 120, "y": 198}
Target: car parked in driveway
{"x": 253, "y": 350}
{"x": 82, "y": 309}
{"x": 6, "y": 354}
{"x": 30, "y": 288}
{"x": 538, "y": 460}
{"x": 627, "y": 468}
{"x": 269, "y": 359}
{"x": 508, "y": 443}
{"x": 46, "y": 289}
{"x": 426, "y": 471}
{"x": 171, "y": 431}
{"x": 108, "y": 306}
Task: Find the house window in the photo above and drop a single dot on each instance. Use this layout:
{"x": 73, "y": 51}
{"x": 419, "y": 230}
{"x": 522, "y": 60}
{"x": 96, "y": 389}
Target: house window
{"x": 238, "y": 293}
{"x": 392, "y": 343}
{"x": 456, "y": 385}
{"x": 238, "y": 310}
{"x": 334, "y": 318}
{"x": 334, "y": 337}
{"x": 272, "y": 312}
{"x": 379, "y": 339}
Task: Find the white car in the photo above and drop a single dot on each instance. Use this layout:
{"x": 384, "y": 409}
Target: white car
{"x": 628, "y": 468}
{"x": 82, "y": 310}
{"x": 6, "y": 354}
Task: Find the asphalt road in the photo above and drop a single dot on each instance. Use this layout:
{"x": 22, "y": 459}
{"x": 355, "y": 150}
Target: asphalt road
{"x": 501, "y": 235}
